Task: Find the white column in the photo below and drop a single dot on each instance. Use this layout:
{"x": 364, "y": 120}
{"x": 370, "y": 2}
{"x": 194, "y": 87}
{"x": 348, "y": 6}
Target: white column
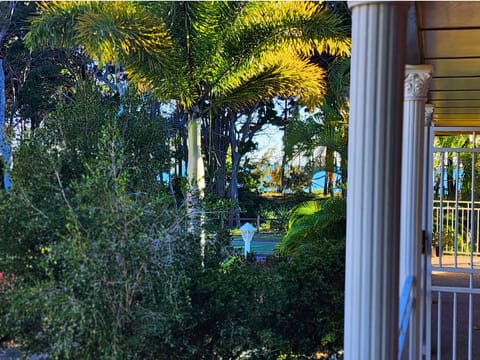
{"x": 427, "y": 171}
{"x": 416, "y": 87}
{"x": 427, "y": 225}
{"x": 374, "y": 173}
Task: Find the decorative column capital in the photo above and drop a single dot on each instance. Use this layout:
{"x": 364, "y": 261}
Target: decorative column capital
{"x": 417, "y": 81}
{"x": 352, "y": 4}
{"x": 428, "y": 114}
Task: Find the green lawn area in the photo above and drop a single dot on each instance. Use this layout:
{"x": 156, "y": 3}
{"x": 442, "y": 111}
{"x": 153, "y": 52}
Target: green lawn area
{"x": 261, "y": 243}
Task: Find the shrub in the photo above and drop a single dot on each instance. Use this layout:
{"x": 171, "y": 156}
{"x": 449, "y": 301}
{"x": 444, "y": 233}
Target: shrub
{"x": 115, "y": 282}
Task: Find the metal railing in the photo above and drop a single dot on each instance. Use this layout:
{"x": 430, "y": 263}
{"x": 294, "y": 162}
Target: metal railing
{"x": 454, "y": 288}
{"x": 405, "y": 310}
{"x": 452, "y": 224}
{"x": 454, "y": 292}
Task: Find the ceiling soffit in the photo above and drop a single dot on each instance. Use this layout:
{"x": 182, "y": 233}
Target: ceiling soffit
{"x": 449, "y": 40}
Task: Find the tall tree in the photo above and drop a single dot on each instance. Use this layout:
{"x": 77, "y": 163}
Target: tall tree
{"x": 32, "y": 83}
{"x": 327, "y": 128}
{"x": 207, "y": 56}
{"x": 4, "y": 146}
{"x": 6, "y": 14}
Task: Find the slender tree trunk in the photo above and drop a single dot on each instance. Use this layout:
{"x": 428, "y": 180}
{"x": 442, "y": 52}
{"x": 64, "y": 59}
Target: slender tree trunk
{"x": 329, "y": 172}
{"x": 195, "y": 166}
{"x": 450, "y": 179}
{"x": 234, "y": 186}
{"x": 281, "y": 182}
{"x": 224, "y": 144}
{"x": 4, "y": 146}
{"x": 236, "y": 157}
{"x": 220, "y": 171}
{"x": 344, "y": 176}
{"x": 219, "y": 142}
{"x": 196, "y": 179}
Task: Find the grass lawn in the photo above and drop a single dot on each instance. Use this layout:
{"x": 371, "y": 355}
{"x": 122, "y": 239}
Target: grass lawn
{"x": 261, "y": 243}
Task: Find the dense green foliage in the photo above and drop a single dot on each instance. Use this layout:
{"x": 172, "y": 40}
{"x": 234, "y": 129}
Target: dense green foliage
{"x": 286, "y": 306}
{"x": 95, "y": 250}
{"x": 104, "y": 269}
{"x": 313, "y": 222}
{"x": 48, "y": 163}
{"x": 113, "y": 277}
{"x": 221, "y": 62}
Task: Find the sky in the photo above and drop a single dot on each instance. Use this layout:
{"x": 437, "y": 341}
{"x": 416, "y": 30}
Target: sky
{"x": 269, "y": 140}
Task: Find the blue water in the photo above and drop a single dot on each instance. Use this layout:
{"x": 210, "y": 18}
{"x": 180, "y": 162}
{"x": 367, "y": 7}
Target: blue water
{"x": 438, "y": 171}
{"x": 318, "y": 182}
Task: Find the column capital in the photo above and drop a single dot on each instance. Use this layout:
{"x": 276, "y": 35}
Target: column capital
{"x": 428, "y": 114}
{"x": 352, "y": 4}
{"x": 417, "y": 80}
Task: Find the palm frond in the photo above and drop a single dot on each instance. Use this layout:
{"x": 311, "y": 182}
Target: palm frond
{"x": 113, "y": 30}
{"x": 313, "y": 222}
{"x": 275, "y": 74}
{"x": 303, "y": 210}
{"x": 303, "y": 26}
{"x": 107, "y": 30}
{"x": 55, "y": 25}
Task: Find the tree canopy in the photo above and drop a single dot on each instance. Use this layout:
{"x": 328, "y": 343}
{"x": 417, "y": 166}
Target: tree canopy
{"x": 210, "y": 57}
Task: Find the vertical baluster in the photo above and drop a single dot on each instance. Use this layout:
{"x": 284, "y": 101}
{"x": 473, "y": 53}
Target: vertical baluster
{"x": 455, "y": 219}
{"x": 470, "y": 321}
{"x": 428, "y": 225}
{"x": 439, "y": 326}
{"x": 440, "y": 231}
{"x": 473, "y": 222}
{"x": 461, "y": 221}
{"x": 454, "y": 327}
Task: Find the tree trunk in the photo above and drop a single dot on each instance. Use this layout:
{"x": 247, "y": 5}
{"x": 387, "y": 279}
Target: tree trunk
{"x": 195, "y": 167}
{"x": 196, "y": 180}
{"x": 236, "y": 156}
{"x": 233, "y": 189}
{"x": 344, "y": 177}
{"x": 4, "y": 146}
{"x": 329, "y": 172}
{"x": 219, "y": 141}
{"x": 450, "y": 179}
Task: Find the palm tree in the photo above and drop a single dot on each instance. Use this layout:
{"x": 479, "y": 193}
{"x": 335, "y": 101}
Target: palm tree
{"x": 327, "y": 128}
{"x": 209, "y": 57}
{"x": 314, "y": 221}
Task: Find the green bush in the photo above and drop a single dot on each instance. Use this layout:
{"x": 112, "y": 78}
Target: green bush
{"x": 115, "y": 283}
{"x": 104, "y": 267}
{"x": 312, "y": 222}
{"x": 284, "y": 308}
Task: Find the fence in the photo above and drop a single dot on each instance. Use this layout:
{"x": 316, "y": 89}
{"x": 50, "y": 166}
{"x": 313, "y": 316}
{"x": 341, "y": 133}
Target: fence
{"x": 452, "y": 224}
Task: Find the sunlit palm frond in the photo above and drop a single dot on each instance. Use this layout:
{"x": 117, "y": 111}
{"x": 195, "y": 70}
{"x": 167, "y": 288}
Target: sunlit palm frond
{"x": 120, "y": 29}
{"x": 314, "y": 221}
{"x": 303, "y": 210}
{"x": 106, "y": 30}
{"x": 303, "y": 26}
{"x": 275, "y": 74}
{"x": 113, "y": 32}
{"x": 55, "y": 25}
{"x": 327, "y": 32}
{"x": 261, "y": 29}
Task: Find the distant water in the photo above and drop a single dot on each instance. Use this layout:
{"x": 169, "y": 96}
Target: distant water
{"x": 318, "y": 182}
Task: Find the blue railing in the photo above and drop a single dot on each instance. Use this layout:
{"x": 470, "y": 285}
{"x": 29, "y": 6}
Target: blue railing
{"x": 405, "y": 309}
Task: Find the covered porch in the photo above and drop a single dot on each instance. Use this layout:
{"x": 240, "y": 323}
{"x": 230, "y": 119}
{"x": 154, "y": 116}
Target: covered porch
{"x": 415, "y": 75}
